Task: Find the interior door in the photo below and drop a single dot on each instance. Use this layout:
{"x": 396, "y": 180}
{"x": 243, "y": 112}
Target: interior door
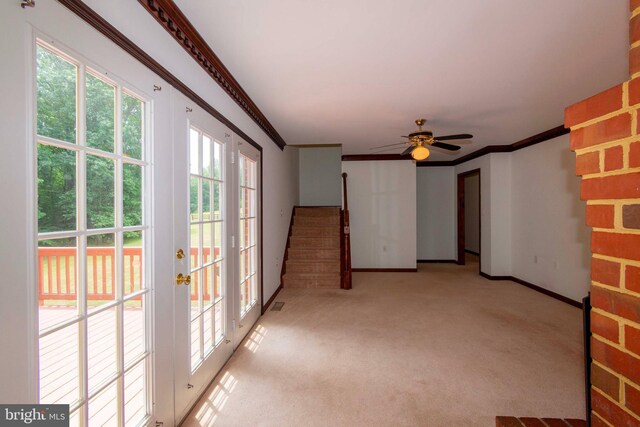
{"x": 247, "y": 250}
{"x": 204, "y": 264}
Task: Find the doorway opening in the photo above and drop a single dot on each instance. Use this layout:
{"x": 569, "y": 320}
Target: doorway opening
{"x": 469, "y": 221}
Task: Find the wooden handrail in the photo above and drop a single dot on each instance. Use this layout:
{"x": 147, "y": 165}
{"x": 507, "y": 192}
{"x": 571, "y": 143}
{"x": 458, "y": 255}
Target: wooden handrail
{"x": 345, "y": 240}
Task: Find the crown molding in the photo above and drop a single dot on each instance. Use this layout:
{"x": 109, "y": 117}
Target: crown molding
{"x": 171, "y": 18}
{"x": 527, "y": 142}
{"x": 84, "y": 12}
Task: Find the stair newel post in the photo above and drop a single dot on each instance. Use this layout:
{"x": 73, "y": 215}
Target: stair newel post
{"x": 345, "y": 238}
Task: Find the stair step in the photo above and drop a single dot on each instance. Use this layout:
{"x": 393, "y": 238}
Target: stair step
{"x": 303, "y": 242}
{"x": 302, "y": 254}
{"x": 316, "y": 221}
{"x": 316, "y": 212}
{"x": 311, "y": 280}
{"x": 297, "y": 266}
{"x": 315, "y": 231}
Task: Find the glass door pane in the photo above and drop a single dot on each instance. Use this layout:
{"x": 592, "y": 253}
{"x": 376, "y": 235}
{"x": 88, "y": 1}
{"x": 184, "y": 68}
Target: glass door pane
{"x": 248, "y": 241}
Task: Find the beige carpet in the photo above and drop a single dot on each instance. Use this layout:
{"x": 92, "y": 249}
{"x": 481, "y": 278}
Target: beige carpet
{"x": 441, "y": 347}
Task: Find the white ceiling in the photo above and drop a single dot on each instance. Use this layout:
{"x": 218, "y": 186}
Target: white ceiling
{"x": 359, "y": 72}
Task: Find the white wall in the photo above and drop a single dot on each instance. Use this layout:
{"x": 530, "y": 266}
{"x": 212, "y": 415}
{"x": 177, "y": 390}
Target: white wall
{"x": 436, "y": 213}
{"x": 319, "y": 171}
{"x": 472, "y": 213}
{"x": 382, "y": 206}
{"x": 17, "y": 290}
{"x": 550, "y": 242}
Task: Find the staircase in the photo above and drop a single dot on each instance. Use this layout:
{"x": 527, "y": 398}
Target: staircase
{"x": 313, "y": 259}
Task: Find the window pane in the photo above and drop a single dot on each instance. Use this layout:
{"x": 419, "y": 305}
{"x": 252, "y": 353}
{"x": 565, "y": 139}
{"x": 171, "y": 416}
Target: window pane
{"x": 103, "y": 408}
{"x": 57, "y": 281}
{"x": 100, "y": 192}
{"x": 195, "y": 294}
{"x": 56, "y": 86}
{"x": 218, "y": 239}
{"x": 217, "y": 281}
{"x": 100, "y": 117}
{"x": 207, "y": 330}
{"x": 207, "y": 238}
{"x": 217, "y": 160}
{"x": 133, "y": 262}
{"x": 219, "y": 321}
{"x": 195, "y": 244}
{"x": 56, "y": 189}
{"x": 206, "y": 200}
{"x": 206, "y": 156}
{"x": 132, "y": 194}
{"x": 101, "y": 342}
{"x": 207, "y": 286}
{"x": 101, "y": 278}
{"x": 195, "y": 342}
{"x": 134, "y": 330}
{"x": 132, "y": 126}
{"x": 194, "y": 210}
{"x": 194, "y": 152}
{"x": 134, "y": 395}
{"x": 217, "y": 199}
{"x": 59, "y": 366}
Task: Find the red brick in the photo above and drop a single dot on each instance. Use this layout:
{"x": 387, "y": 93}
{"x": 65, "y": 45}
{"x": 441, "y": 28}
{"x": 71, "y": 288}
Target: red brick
{"x": 555, "y": 422}
{"x": 605, "y": 326}
{"x": 632, "y": 278}
{"x": 605, "y": 381}
{"x": 634, "y": 155}
{"x": 508, "y": 422}
{"x": 626, "y": 186}
{"x": 631, "y": 216}
{"x": 605, "y": 272}
{"x": 617, "y": 127}
{"x": 634, "y": 61}
{"x": 623, "y": 305}
{"x": 632, "y": 339}
{"x": 611, "y": 412}
{"x": 634, "y": 29}
{"x": 576, "y": 423}
{"x": 613, "y": 158}
{"x": 632, "y": 399}
{"x": 588, "y": 163}
{"x": 617, "y": 245}
{"x": 598, "y": 105}
{"x": 596, "y": 421}
{"x": 634, "y": 91}
{"x": 600, "y": 216}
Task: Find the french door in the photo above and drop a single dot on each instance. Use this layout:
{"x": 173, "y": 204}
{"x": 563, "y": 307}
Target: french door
{"x": 248, "y": 246}
{"x": 93, "y": 234}
{"x": 216, "y": 239}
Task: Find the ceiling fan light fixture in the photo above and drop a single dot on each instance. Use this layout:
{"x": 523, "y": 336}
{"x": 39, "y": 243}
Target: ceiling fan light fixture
{"x": 420, "y": 153}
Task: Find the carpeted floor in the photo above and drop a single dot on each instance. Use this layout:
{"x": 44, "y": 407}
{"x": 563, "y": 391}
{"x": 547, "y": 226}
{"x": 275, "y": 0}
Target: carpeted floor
{"x": 441, "y": 347}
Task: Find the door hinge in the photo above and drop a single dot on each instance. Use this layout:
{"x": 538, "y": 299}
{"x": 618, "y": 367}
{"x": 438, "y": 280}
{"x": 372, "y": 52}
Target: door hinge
{"x": 159, "y": 423}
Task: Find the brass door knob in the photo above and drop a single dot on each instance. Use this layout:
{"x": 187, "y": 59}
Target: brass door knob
{"x": 183, "y": 280}
{"x": 180, "y": 254}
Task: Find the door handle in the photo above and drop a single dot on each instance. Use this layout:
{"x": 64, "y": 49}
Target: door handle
{"x": 183, "y": 280}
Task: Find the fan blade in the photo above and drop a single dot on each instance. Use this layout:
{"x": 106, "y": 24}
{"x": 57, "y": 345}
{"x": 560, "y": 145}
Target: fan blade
{"x": 450, "y": 137}
{"x": 407, "y": 151}
{"x": 449, "y": 147}
{"x": 388, "y": 145}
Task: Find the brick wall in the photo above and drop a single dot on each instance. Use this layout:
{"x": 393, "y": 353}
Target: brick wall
{"x": 605, "y": 135}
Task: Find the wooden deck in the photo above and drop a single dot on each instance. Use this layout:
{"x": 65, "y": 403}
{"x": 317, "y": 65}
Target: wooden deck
{"x": 59, "y": 364}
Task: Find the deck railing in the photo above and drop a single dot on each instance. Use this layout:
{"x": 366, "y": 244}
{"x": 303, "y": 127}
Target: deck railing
{"x": 57, "y": 273}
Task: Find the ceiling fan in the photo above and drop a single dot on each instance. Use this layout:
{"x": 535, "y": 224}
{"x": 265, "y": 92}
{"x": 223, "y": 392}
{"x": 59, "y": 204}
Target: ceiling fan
{"x": 419, "y": 140}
